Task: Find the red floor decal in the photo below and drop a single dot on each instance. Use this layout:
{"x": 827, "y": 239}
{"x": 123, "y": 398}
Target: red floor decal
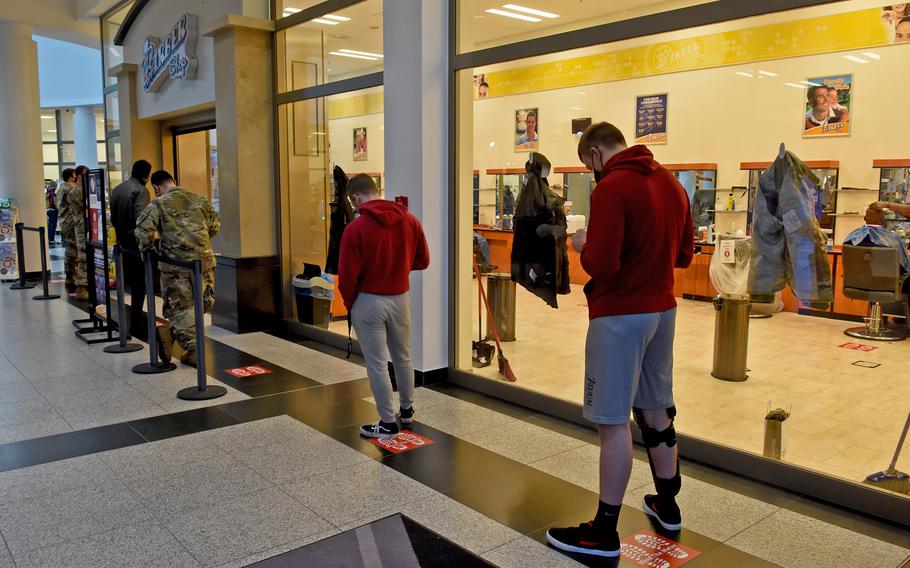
{"x": 403, "y": 442}
{"x": 252, "y": 371}
{"x": 652, "y": 550}
{"x": 858, "y": 347}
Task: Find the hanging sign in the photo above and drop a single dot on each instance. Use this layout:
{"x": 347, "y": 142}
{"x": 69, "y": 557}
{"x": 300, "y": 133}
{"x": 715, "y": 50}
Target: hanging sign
{"x": 174, "y": 56}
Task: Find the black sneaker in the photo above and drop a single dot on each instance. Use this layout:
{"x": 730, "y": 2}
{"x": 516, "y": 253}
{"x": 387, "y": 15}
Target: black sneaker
{"x": 379, "y": 429}
{"x": 585, "y": 539}
{"x": 406, "y": 415}
{"x": 667, "y": 514}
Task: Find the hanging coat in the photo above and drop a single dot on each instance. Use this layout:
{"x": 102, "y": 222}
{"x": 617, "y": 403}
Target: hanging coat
{"x": 540, "y": 259}
{"x": 341, "y": 213}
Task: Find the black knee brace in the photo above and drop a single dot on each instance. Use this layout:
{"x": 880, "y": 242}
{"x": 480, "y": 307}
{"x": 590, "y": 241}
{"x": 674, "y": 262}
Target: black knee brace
{"x": 651, "y": 437}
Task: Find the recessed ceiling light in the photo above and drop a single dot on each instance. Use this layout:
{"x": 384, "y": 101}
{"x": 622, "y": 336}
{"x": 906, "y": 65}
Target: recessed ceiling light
{"x": 797, "y": 85}
{"x": 574, "y": 108}
{"x": 499, "y": 12}
{"x": 47, "y": 116}
{"x": 767, "y": 73}
{"x": 321, "y": 21}
{"x": 338, "y": 18}
{"x": 872, "y": 55}
{"x": 744, "y": 74}
{"x": 366, "y": 53}
{"x": 582, "y": 93}
{"x": 810, "y": 84}
{"x": 353, "y": 56}
{"x": 492, "y": 144}
{"x": 290, "y": 11}
{"x": 531, "y": 11}
{"x": 855, "y": 59}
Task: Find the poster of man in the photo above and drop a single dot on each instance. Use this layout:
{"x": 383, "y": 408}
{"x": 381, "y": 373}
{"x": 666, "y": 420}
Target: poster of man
{"x": 481, "y": 86}
{"x": 526, "y": 130}
{"x": 360, "y": 144}
{"x": 828, "y": 103}
{"x": 896, "y": 18}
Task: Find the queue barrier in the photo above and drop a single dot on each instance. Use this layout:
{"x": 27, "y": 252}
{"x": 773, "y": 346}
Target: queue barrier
{"x": 23, "y": 284}
{"x": 123, "y": 346}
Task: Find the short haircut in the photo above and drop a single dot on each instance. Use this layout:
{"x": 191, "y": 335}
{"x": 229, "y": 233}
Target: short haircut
{"x": 82, "y": 170}
{"x": 68, "y": 173}
{"x": 530, "y": 114}
{"x": 141, "y": 170}
{"x": 599, "y": 134}
{"x": 484, "y": 84}
{"x": 810, "y": 96}
{"x": 905, "y": 20}
{"x": 162, "y": 176}
{"x": 362, "y": 184}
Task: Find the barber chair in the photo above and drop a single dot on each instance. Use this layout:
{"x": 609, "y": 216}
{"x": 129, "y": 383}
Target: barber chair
{"x": 873, "y": 274}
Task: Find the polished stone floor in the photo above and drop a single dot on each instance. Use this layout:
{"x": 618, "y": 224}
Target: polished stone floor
{"x": 101, "y": 467}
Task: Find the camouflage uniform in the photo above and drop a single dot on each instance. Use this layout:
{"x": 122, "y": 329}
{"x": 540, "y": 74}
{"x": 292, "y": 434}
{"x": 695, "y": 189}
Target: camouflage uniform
{"x": 183, "y": 223}
{"x": 72, "y": 229}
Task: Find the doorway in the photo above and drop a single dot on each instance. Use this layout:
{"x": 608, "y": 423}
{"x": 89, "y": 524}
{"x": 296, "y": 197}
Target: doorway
{"x": 196, "y": 161}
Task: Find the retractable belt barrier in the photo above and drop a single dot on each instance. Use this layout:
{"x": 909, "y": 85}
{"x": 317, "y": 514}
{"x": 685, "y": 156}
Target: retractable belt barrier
{"x": 20, "y": 254}
{"x": 123, "y": 325}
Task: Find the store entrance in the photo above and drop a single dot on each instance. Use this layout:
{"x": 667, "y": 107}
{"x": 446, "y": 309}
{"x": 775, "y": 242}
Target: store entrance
{"x": 196, "y": 161}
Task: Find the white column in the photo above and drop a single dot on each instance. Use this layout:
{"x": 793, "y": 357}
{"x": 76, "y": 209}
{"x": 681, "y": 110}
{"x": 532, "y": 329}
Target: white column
{"x": 86, "y": 141}
{"x": 20, "y": 132}
{"x": 415, "y": 42}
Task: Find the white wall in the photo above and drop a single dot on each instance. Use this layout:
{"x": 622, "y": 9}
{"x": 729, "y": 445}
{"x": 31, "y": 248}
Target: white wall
{"x": 341, "y": 138}
{"x": 68, "y": 74}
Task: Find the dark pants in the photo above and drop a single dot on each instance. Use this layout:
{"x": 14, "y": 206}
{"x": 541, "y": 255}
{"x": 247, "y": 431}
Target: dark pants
{"x": 134, "y": 280}
{"x": 51, "y": 225}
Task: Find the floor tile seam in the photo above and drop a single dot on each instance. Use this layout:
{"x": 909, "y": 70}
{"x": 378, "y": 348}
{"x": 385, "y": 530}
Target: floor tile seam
{"x": 180, "y": 542}
{"x": 54, "y": 408}
{"x": 759, "y": 521}
{"x": 163, "y": 516}
{"x": 8, "y": 551}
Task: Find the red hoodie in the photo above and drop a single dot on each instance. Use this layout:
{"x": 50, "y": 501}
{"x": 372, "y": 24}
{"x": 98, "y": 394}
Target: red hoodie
{"x": 379, "y": 249}
{"x": 640, "y": 229}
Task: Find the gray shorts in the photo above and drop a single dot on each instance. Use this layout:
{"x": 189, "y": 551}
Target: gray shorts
{"x": 628, "y": 362}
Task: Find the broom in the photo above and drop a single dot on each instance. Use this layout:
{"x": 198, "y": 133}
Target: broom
{"x": 891, "y": 478}
{"x": 504, "y": 368}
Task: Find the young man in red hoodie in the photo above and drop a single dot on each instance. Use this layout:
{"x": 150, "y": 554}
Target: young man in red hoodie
{"x": 640, "y": 229}
{"x": 379, "y": 249}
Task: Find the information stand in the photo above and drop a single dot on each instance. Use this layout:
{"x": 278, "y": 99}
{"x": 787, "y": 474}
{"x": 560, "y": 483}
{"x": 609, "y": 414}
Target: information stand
{"x": 9, "y": 216}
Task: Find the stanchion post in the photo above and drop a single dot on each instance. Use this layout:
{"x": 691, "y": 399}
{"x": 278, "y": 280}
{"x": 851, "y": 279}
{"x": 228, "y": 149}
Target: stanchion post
{"x": 123, "y": 326}
{"x": 44, "y": 273}
{"x": 201, "y": 391}
{"x": 20, "y": 259}
{"x": 154, "y": 366}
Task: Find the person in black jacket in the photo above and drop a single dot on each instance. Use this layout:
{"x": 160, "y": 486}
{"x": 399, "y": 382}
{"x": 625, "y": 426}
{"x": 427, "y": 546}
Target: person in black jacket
{"x": 128, "y": 200}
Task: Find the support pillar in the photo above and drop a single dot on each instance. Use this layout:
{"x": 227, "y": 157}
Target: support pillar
{"x": 139, "y": 139}
{"x": 416, "y": 77}
{"x": 20, "y": 132}
{"x": 85, "y": 137}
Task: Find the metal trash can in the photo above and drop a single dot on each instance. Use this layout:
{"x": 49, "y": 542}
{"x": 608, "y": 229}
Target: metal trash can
{"x": 501, "y": 295}
{"x": 731, "y": 338}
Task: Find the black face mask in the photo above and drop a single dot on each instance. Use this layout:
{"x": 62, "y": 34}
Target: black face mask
{"x": 597, "y": 173}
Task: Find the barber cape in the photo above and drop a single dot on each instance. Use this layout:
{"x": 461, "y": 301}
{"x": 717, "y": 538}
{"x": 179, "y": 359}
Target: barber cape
{"x": 342, "y": 213}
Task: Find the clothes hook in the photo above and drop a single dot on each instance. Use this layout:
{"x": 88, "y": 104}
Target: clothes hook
{"x": 782, "y": 150}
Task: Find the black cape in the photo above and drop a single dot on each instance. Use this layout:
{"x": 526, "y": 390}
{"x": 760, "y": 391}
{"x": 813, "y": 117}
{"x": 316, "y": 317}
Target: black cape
{"x": 341, "y": 213}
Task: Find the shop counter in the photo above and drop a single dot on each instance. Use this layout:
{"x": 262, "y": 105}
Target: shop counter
{"x": 500, "y": 242}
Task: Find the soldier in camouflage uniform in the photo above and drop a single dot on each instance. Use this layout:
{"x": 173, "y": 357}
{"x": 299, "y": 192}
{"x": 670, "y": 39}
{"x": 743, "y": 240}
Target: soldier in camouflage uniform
{"x": 183, "y": 223}
{"x": 71, "y": 209}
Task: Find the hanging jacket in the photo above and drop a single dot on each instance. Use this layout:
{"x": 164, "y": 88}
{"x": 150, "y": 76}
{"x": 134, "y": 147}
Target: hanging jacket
{"x": 540, "y": 259}
{"x": 788, "y": 244}
{"x": 342, "y": 213}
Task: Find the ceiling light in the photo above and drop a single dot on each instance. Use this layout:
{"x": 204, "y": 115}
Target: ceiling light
{"x": 290, "y": 11}
{"x": 366, "y": 53}
{"x": 353, "y": 56}
{"x": 321, "y": 21}
{"x": 48, "y": 116}
{"x": 767, "y": 73}
{"x": 531, "y": 11}
{"x": 338, "y": 18}
{"x": 797, "y": 85}
{"x": 512, "y": 15}
{"x": 492, "y": 144}
{"x": 574, "y": 108}
{"x": 855, "y": 59}
{"x": 872, "y": 55}
{"x": 744, "y": 74}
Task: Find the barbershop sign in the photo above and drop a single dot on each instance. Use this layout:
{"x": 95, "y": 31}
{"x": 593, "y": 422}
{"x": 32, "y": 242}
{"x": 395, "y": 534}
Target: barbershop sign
{"x": 173, "y": 56}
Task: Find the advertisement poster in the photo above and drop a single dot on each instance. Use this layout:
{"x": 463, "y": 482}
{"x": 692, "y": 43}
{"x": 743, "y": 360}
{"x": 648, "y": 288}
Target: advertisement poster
{"x": 651, "y": 119}
{"x": 481, "y": 86}
{"x": 827, "y": 108}
{"x": 9, "y": 263}
{"x": 360, "y": 144}
{"x": 526, "y": 130}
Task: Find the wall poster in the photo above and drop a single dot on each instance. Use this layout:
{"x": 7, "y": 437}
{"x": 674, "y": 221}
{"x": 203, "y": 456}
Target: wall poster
{"x": 360, "y": 144}
{"x": 527, "y": 137}
{"x": 651, "y": 119}
{"x": 827, "y": 106}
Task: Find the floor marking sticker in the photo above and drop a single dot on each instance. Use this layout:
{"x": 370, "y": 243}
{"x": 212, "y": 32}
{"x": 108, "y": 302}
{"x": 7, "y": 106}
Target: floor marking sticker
{"x": 858, "y": 347}
{"x": 251, "y": 371}
{"x": 866, "y": 364}
{"x": 405, "y": 441}
{"x": 652, "y": 550}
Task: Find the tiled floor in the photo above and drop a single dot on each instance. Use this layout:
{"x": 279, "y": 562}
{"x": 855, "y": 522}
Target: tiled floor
{"x": 245, "y": 479}
{"x": 845, "y": 420}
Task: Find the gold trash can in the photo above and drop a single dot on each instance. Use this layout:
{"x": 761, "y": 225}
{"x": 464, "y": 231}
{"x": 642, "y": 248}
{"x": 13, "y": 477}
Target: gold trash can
{"x": 501, "y": 295}
{"x": 731, "y": 338}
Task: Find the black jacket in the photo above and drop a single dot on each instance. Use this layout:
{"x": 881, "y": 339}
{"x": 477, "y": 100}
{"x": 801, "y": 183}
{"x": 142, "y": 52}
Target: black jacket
{"x": 127, "y": 201}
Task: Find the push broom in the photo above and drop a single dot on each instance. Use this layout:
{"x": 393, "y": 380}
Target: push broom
{"x": 504, "y": 368}
{"x": 892, "y": 479}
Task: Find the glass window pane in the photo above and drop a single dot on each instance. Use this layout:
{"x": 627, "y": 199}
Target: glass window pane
{"x": 340, "y": 45}
{"x": 49, "y": 125}
{"x": 112, "y": 104}
{"x": 51, "y": 172}
{"x": 67, "y": 128}
{"x": 112, "y": 54}
{"x": 285, "y": 8}
{"x": 485, "y": 23}
{"x": 49, "y": 151}
{"x": 114, "y": 165}
{"x": 99, "y": 123}
{"x": 67, "y": 152}
{"x": 102, "y": 151}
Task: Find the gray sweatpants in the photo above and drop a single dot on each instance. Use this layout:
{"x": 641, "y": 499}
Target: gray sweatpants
{"x": 383, "y": 326}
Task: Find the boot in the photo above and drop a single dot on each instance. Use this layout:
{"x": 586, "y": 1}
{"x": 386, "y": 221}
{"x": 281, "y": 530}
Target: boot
{"x": 82, "y": 293}
{"x": 165, "y": 339}
{"x": 189, "y": 358}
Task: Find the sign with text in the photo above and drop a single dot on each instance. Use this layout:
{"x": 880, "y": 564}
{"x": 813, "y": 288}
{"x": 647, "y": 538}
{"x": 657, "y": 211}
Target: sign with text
{"x": 651, "y": 119}
{"x": 403, "y": 442}
{"x": 174, "y": 56}
{"x": 858, "y": 347}
{"x": 646, "y": 548}
{"x": 251, "y": 371}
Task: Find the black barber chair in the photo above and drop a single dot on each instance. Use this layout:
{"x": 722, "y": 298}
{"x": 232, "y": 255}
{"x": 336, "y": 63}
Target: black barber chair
{"x": 873, "y": 274}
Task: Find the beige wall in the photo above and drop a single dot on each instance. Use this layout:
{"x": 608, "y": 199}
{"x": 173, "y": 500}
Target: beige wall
{"x": 193, "y": 163}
